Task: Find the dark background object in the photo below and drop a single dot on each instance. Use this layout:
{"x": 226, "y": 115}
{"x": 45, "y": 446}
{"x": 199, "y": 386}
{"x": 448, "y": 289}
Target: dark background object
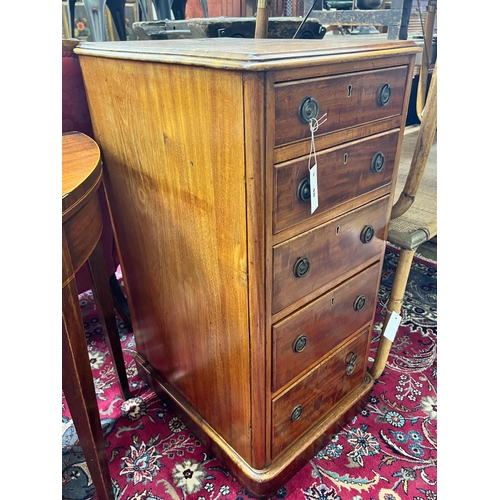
{"x": 283, "y": 28}
{"x": 241, "y": 27}
{"x": 339, "y": 4}
{"x": 178, "y": 9}
{"x": 368, "y": 4}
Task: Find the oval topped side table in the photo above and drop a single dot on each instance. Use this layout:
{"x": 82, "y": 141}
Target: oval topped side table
{"x": 81, "y": 245}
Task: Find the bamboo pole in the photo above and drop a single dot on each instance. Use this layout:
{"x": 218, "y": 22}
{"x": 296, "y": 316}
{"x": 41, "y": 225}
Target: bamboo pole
{"x": 395, "y": 303}
{"x": 425, "y": 139}
{"x": 426, "y": 56}
{"x": 262, "y": 21}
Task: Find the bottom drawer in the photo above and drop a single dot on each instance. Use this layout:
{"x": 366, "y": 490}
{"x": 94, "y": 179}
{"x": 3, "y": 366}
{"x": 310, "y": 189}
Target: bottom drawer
{"x": 304, "y": 403}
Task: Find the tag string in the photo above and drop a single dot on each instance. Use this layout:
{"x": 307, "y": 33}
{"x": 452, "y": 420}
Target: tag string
{"x": 313, "y": 127}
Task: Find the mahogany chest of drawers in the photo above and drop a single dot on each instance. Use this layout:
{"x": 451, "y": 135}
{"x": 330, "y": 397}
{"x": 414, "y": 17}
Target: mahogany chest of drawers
{"x": 251, "y": 314}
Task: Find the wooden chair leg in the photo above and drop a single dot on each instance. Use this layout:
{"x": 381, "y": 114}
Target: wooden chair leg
{"x": 395, "y": 302}
{"x": 106, "y": 310}
{"x": 120, "y": 302}
{"x": 78, "y": 387}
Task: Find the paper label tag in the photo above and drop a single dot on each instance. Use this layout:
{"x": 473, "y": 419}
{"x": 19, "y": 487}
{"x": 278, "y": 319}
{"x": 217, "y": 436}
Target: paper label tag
{"x": 313, "y": 180}
{"x": 392, "y": 326}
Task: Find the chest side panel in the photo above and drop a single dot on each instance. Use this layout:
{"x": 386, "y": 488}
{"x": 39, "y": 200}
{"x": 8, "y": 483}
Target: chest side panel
{"x": 173, "y": 141}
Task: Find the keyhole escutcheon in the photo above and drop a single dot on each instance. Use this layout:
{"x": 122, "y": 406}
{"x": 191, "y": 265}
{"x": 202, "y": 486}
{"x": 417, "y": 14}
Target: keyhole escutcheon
{"x": 349, "y": 90}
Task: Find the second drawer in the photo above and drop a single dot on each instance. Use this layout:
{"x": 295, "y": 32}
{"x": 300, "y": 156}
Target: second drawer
{"x": 344, "y": 173}
{"x": 307, "y": 335}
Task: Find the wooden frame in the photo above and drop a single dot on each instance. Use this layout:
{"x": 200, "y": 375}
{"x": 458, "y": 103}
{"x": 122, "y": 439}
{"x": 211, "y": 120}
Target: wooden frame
{"x": 380, "y": 17}
{"x": 65, "y": 21}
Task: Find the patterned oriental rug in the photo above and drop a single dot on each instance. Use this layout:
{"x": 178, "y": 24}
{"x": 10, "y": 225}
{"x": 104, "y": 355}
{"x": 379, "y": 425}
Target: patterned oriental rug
{"x": 387, "y": 452}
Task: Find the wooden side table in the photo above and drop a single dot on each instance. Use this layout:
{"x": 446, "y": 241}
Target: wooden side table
{"x": 81, "y": 245}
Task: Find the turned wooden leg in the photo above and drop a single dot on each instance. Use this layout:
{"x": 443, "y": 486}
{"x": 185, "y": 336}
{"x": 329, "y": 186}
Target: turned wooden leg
{"x": 395, "y": 302}
{"x": 106, "y": 311}
{"x": 78, "y": 387}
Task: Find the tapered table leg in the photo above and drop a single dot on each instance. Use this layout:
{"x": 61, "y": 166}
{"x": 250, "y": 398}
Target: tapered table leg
{"x": 78, "y": 387}
{"x": 106, "y": 311}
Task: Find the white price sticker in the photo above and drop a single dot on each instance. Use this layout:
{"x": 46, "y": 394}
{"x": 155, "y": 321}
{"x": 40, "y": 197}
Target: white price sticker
{"x": 392, "y": 326}
{"x": 313, "y": 180}
{"x": 313, "y": 171}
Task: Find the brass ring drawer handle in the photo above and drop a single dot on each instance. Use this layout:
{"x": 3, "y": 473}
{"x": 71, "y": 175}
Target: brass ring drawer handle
{"x": 301, "y": 267}
{"x": 304, "y": 190}
{"x": 296, "y": 413}
{"x": 300, "y": 343}
{"x": 351, "y": 365}
{"x": 384, "y": 94}
{"x": 378, "y": 161}
{"x": 308, "y": 109}
{"x": 359, "y": 303}
{"x": 367, "y": 234}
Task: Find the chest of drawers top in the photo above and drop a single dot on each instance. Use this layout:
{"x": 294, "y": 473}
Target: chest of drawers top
{"x": 249, "y": 54}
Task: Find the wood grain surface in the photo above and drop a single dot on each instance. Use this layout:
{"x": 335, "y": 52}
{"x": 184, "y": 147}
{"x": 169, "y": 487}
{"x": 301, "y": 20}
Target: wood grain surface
{"x": 82, "y": 171}
{"x": 178, "y": 196}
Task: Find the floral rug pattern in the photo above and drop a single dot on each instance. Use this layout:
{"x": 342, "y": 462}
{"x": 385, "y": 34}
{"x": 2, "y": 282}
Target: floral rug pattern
{"x": 387, "y": 452}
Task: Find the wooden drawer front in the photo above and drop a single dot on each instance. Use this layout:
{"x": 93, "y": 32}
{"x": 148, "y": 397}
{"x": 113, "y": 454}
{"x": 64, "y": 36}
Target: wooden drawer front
{"x": 316, "y": 393}
{"x": 348, "y": 100}
{"x": 304, "y": 337}
{"x": 325, "y": 253}
{"x": 344, "y": 172}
